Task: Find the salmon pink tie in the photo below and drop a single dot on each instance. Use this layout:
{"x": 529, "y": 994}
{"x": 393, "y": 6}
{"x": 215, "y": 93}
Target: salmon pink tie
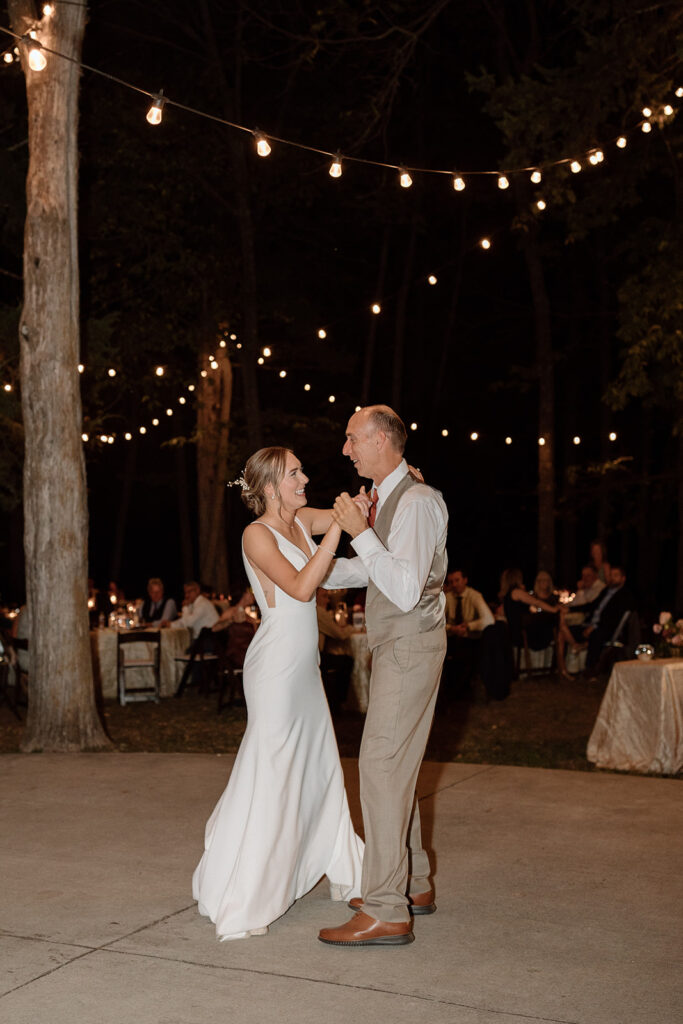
{"x": 373, "y": 507}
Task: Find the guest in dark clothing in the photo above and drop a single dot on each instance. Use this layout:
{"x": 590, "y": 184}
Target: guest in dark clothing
{"x": 516, "y": 602}
{"x": 156, "y": 606}
{"x": 540, "y": 626}
{"x": 605, "y": 614}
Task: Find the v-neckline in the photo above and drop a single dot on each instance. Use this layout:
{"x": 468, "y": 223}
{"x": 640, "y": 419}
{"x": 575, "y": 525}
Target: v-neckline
{"x": 307, "y": 555}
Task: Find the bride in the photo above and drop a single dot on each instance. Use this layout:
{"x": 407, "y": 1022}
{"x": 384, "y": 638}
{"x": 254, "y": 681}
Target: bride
{"x": 283, "y": 820}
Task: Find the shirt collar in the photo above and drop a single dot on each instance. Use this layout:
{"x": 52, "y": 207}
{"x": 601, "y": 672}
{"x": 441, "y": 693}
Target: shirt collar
{"x": 386, "y": 487}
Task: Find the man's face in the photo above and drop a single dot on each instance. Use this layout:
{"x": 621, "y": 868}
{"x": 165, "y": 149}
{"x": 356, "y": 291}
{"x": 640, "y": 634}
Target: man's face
{"x": 191, "y": 593}
{"x": 588, "y": 578}
{"x": 155, "y": 591}
{"x": 457, "y": 582}
{"x": 617, "y": 577}
{"x": 361, "y": 445}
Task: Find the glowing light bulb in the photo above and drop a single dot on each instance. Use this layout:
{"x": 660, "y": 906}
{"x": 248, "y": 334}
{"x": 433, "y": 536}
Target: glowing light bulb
{"x": 307, "y": 387}
{"x": 541, "y": 441}
{"x": 111, "y": 371}
{"x": 110, "y": 439}
{"x": 474, "y": 436}
{"x": 575, "y": 166}
{"x": 36, "y": 58}
{"x": 283, "y": 373}
{"x": 155, "y": 422}
{"x": 612, "y": 436}
{"x": 508, "y": 440}
{"x": 84, "y": 437}
{"x": 190, "y": 387}
{"x": 8, "y": 58}
{"x": 679, "y": 91}
{"x": 182, "y": 400}
{"x": 331, "y": 398}
{"x": 576, "y": 439}
{"x": 47, "y": 10}
{"x": 404, "y": 178}
{"x": 646, "y": 127}
{"x": 541, "y": 204}
{"x": 336, "y": 167}
{"x": 647, "y": 112}
{"x": 143, "y": 430}
{"x": 668, "y": 110}
{"x": 376, "y": 308}
{"x": 432, "y": 279}
{"x": 159, "y": 370}
{"x": 213, "y": 364}
{"x": 621, "y": 142}
{"x": 357, "y": 409}
{"x": 262, "y": 144}
{"x": 204, "y": 373}
{"x": 103, "y": 438}
{"x": 169, "y": 412}
{"x": 238, "y": 345}
{"x": 444, "y": 433}
{"x": 536, "y": 177}
{"x": 7, "y": 387}
{"x": 81, "y": 367}
{"x": 503, "y": 182}
{"x": 599, "y": 156}
{"x": 233, "y": 337}
{"x": 413, "y": 426}
{"x": 155, "y": 112}
{"x": 593, "y": 158}
{"x": 485, "y": 243}
{"x": 128, "y": 437}
{"x": 267, "y": 352}
{"x": 322, "y": 333}
{"x": 260, "y": 360}
{"x": 458, "y": 183}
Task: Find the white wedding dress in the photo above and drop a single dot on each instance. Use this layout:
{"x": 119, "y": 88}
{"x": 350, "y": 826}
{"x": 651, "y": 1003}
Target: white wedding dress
{"x": 283, "y": 820}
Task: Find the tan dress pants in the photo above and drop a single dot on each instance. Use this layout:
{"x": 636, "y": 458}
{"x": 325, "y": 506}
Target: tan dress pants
{"x": 403, "y": 688}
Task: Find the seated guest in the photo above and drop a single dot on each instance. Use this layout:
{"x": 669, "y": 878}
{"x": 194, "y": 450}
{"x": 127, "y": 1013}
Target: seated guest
{"x": 604, "y": 615}
{"x": 588, "y": 587}
{"x": 540, "y": 627}
{"x": 197, "y": 612}
{"x": 570, "y": 633}
{"x": 237, "y": 612}
{"x": 336, "y": 659}
{"x": 467, "y": 615}
{"x": 515, "y": 602}
{"x": 156, "y": 607}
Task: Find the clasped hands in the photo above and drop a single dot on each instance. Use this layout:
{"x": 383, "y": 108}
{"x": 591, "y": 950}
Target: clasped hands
{"x": 352, "y": 513}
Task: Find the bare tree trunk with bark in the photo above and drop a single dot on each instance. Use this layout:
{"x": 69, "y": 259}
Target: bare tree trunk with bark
{"x": 214, "y": 400}
{"x": 62, "y": 714}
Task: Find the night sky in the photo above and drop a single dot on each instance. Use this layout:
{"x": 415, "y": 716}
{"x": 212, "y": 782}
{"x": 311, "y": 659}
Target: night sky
{"x": 162, "y": 277}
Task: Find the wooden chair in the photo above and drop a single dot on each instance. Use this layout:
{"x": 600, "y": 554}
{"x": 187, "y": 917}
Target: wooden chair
{"x": 128, "y": 695}
{"x": 201, "y": 654}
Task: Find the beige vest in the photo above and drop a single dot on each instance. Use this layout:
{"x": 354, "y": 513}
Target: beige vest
{"x": 384, "y": 621}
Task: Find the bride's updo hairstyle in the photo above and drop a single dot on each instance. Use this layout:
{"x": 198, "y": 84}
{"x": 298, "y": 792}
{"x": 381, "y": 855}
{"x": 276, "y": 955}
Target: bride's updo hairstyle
{"x": 266, "y": 466}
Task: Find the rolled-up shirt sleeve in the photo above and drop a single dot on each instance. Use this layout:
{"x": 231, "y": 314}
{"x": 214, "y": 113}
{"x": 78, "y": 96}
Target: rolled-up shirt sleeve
{"x": 346, "y": 572}
{"x": 401, "y": 569}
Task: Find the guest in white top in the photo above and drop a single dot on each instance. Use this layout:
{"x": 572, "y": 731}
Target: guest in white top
{"x": 197, "y": 612}
{"x": 466, "y": 610}
{"x": 588, "y": 587}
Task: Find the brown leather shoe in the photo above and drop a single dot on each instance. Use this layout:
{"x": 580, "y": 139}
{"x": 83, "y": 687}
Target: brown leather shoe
{"x": 363, "y": 930}
{"x": 423, "y": 903}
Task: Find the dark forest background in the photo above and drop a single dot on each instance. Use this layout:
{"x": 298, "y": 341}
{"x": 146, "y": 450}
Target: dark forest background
{"x": 569, "y": 325}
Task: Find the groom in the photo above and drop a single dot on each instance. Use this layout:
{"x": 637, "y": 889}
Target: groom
{"x": 401, "y": 549}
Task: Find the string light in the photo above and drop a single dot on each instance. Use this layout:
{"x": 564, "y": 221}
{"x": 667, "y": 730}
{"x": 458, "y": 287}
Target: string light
{"x": 336, "y": 167}
{"x": 84, "y": 437}
{"x": 169, "y": 412}
{"x": 404, "y": 178}
{"x": 612, "y": 436}
{"x": 376, "y": 308}
{"x": 155, "y": 112}
{"x": 485, "y": 243}
{"x": 474, "y": 436}
{"x": 143, "y": 430}
{"x": 668, "y": 110}
{"x": 204, "y": 373}
{"x": 508, "y": 440}
{"x": 36, "y": 58}
{"x": 357, "y": 409}
{"x": 190, "y": 387}
{"x": 155, "y": 422}
{"x": 432, "y": 279}
{"x": 536, "y": 176}
{"x": 332, "y": 398}
{"x": 576, "y": 439}
{"x": 307, "y": 387}
{"x": 575, "y": 166}
{"x": 213, "y": 364}
{"x": 111, "y": 371}
{"x": 238, "y": 345}
{"x": 222, "y": 343}
{"x": 503, "y": 182}
{"x": 541, "y": 441}
{"x": 260, "y": 360}
{"x": 646, "y": 127}
{"x": 8, "y": 58}
{"x": 458, "y": 183}
{"x": 48, "y": 9}
{"x": 7, "y": 387}
{"x": 679, "y": 91}
{"x": 159, "y": 370}
{"x": 322, "y": 333}
{"x": 646, "y": 112}
{"x": 541, "y": 204}
{"x": 128, "y": 436}
{"x": 413, "y": 426}
{"x": 267, "y": 352}
{"x": 262, "y": 144}
{"x": 444, "y": 433}
{"x": 182, "y": 400}
{"x": 283, "y": 373}
{"x": 233, "y": 337}
{"x": 621, "y": 142}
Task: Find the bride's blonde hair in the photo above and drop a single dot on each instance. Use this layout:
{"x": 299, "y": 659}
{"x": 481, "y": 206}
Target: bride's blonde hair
{"x": 266, "y": 466}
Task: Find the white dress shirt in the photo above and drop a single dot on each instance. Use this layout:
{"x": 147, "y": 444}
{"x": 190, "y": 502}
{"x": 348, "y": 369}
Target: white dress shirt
{"x": 476, "y": 614}
{"x": 401, "y": 569}
{"x": 584, "y": 596}
{"x": 196, "y": 616}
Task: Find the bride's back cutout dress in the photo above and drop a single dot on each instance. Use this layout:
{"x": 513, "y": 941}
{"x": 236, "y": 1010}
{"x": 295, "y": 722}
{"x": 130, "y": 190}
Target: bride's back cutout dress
{"x": 283, "y": 820}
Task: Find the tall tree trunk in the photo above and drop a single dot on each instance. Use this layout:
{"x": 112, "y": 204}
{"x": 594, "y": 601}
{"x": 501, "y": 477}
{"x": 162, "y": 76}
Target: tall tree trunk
{"x": 374, "y": 321}
{"x": 546, "y": 404}
{"x": 241, "y": 196}
{"x": 62, "y": 713}
{"x": 401, "y": 310}
{"x": 213, "y": 432}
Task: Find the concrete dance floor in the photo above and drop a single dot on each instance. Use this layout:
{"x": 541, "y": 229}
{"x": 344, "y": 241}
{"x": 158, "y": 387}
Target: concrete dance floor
{"x": 558, "y": 901}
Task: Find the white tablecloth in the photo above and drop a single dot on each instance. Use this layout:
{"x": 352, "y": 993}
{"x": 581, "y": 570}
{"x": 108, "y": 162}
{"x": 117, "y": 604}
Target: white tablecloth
{"x": 357, "y": 698}
{"x": 104, "y": 650}
{"x": 640, "y": 723}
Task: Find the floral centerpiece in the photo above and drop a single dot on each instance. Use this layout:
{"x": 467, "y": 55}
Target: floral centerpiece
{"x": 670, "y": 635}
